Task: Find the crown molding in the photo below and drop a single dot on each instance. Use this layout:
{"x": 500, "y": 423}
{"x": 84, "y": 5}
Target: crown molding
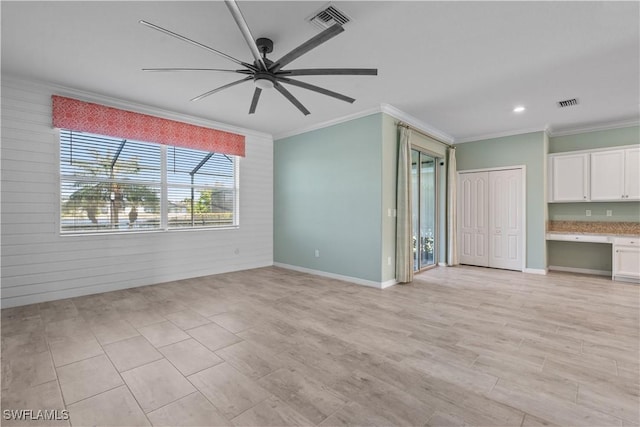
{"x": 53, "y": 88}
{"x": 594, "y": 128}
{"x": 501, "y": 134}
{"x": 382, "y": 108}
{"x": 416, "y": 123}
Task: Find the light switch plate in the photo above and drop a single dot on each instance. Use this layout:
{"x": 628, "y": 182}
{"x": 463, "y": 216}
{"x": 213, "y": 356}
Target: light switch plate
{"x": 588, "y": 212}
{"x": 609, "y": 212}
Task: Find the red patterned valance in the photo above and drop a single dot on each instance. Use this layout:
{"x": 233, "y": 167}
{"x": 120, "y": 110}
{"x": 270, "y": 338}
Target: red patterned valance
{"x": 83, "y": 116}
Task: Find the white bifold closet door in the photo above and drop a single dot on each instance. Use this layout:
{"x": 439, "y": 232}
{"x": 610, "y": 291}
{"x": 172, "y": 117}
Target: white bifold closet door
{"x": 491, "y": 219}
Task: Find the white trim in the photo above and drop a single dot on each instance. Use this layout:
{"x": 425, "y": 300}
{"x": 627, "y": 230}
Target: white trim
{"x": 356, "y": 280}
{"x": 500, "y": 135}
{"x": 382, "y": 108}
{"x": 593, "y": 150}
{"x": 501, "y": 168}
{"x": 388, "y": 283}
{"x": 541, "y": 271}
{"x": 443, "y": 264}
{"x": 580, "y": 270}
{"x": 595, "y": 128}
{"x": 416, "y": 123}
{"x": 128, "y": 105}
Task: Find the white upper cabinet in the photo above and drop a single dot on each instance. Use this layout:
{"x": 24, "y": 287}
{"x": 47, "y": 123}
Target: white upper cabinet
{"x": 569, "y": 176}
{"x": 632, "y": 173}
{"x": 595, "y": 175}
{"x": 607, "y": 175}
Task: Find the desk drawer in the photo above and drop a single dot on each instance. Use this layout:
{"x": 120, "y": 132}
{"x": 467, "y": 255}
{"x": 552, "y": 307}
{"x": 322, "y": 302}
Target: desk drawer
{"x": 579, "y": 238}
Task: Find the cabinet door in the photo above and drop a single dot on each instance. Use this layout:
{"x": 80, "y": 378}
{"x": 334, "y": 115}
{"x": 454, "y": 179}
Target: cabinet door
{"x": 607, "y": 175}
{"x": 632, "y": 174}
{"x": 473, "y": 192}
{"x": 626, "y": 262}
{"x": 569, "y": 177}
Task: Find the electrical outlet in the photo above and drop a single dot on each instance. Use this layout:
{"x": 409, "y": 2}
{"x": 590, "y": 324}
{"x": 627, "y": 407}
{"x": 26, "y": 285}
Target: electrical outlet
{"x": 389, "y": 212}
{"x": 609, "y": 212}
{"x": 317, "y": 253}
{"x": 389, "y": 261}
{"x": 588, "y": 212}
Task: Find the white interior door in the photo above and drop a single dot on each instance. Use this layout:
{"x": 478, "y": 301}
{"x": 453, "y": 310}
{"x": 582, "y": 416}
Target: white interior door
{"x": 505, "y": 219}
{"x": 473, "y": 196}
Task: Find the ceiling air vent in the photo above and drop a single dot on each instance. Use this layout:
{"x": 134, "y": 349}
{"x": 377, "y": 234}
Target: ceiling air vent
{"x": 328, "y": 16}
{"x": 568, "y": 103}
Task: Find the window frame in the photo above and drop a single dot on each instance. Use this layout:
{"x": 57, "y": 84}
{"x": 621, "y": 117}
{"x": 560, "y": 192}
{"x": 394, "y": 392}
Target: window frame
{"x": 163, "y": 185}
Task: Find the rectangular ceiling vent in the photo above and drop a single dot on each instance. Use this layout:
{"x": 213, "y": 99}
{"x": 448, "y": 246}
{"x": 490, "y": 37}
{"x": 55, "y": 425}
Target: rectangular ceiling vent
{"x": 568, "y": 103}
{"x": 328, "y": 16}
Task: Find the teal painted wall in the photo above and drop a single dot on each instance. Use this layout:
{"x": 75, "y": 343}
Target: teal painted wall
{"x": 328, "y": 196}
{"x": 583, "y": 255}
{"x": 526, "y": 149}
{"x": 621, "y": 211}
{"x": 589, "y": 256}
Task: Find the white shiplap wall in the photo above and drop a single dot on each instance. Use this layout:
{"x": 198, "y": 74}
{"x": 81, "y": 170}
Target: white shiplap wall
{"x": 38, "y": 264}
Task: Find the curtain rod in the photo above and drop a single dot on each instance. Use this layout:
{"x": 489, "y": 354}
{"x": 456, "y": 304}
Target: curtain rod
{"x": 408, "y": 126}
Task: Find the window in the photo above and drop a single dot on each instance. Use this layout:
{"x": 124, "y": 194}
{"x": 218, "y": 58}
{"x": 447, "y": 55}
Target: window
{"x": 200, "y": 188}
{"x": 110, "y": 184}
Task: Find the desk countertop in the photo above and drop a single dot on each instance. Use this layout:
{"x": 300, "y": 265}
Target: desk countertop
{"x": 594, "y": 228}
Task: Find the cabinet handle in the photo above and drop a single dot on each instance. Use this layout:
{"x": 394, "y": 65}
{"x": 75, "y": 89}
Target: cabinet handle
{"x": 584, "y": 197}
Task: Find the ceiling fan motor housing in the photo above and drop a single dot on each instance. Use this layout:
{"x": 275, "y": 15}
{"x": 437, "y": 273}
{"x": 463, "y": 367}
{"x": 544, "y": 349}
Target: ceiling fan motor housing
{"x": 265, "y": 45}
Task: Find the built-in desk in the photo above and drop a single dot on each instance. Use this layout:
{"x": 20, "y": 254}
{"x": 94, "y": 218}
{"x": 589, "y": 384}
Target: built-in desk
{"x": 625, "y": 251}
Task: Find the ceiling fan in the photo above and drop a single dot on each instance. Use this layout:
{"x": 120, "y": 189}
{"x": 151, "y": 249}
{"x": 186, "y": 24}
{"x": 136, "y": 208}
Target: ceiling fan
{"x": 267, "y": 74}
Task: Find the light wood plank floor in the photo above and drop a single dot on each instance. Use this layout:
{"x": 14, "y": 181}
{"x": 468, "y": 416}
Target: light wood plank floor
{"x": 459, "y": 346}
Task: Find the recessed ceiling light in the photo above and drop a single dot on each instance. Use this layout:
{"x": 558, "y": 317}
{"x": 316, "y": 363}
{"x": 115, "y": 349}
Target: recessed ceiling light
{"x": 519, "y": 109}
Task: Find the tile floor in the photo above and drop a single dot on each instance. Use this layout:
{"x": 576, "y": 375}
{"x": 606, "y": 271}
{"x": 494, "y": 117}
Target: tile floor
{"x": 459, "y": 346}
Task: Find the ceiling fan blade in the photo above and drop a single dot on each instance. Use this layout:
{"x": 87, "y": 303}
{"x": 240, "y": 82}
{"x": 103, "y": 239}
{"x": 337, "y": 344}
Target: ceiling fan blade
{"x": 318, "y": 89}
{"x": 195, "y": 43}
{"x": 330, "y": 72}
{"x": 291, "y": 98}
{"x": 246, "y": 33}
{"x": 305, "y": 47}
{"x": 254, "y": 101}
{"x": 197, "y": 69}
{"x": 228, "y": 85}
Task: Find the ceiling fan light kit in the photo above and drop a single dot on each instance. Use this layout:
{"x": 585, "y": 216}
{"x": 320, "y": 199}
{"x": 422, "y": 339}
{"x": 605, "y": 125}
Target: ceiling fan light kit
{"x": 267, "y": 74}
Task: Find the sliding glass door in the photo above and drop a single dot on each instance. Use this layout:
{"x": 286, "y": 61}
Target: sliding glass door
{"x": 424, "y": 211}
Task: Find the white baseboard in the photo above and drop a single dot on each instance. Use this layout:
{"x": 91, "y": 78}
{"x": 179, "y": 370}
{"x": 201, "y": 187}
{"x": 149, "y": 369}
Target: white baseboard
{"x": 627, "y": 279}
{"x": 580, "y": 270}
{"x": 443, "y": 264}
{"x": 541, "y": 271}
{"x": 356, "y": 280}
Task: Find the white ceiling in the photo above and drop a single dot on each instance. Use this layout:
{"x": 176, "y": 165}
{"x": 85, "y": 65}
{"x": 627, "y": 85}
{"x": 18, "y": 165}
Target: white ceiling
{"x": 459, "y": 67}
